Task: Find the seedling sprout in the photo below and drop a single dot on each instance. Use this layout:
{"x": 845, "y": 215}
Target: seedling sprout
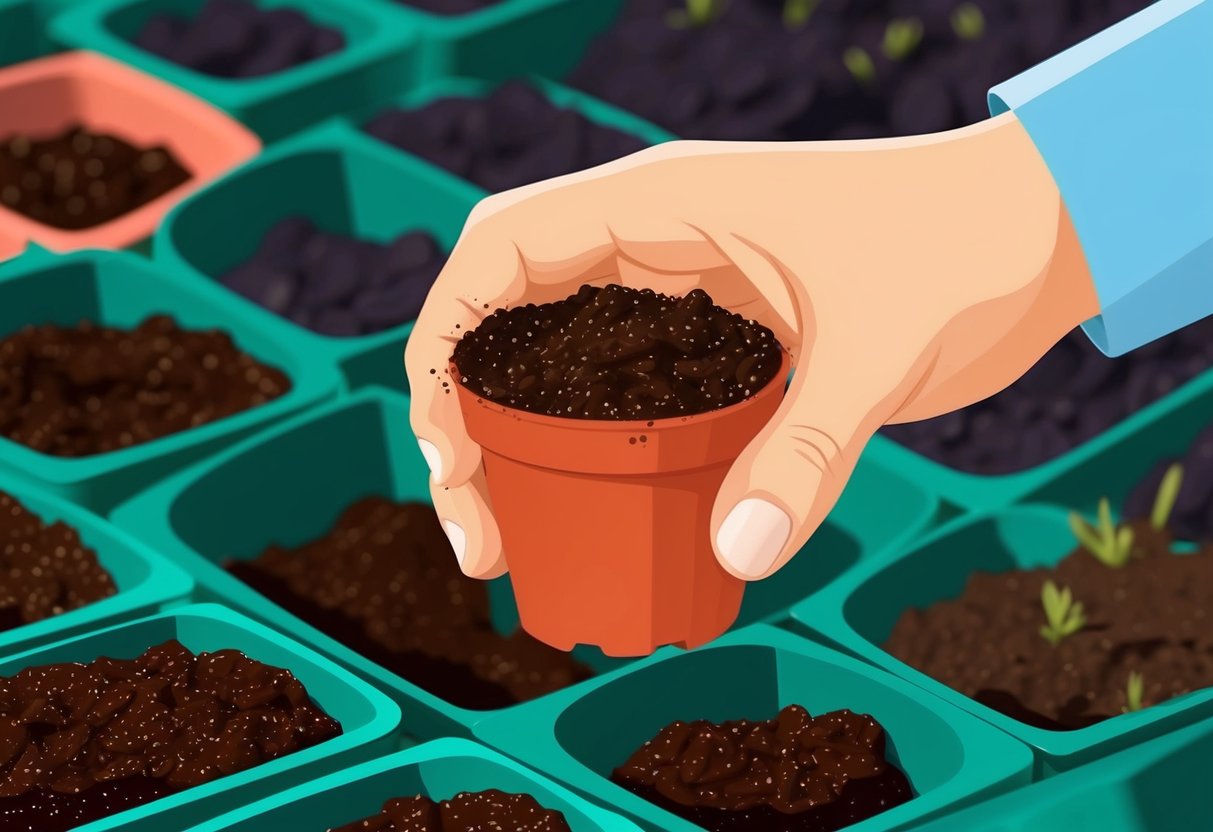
{"x": 901, "y": 38}
{"x": 1110, "y": 543}
{"x": 1168, "y": 493}
{"x": 1134, "y": 691}
{"x": 968, "y": 22}
{"x": 1063, "y": 614}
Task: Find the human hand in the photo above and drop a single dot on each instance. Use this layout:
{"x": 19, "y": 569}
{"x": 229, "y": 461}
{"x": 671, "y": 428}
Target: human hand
{"x": 906, "y": 277}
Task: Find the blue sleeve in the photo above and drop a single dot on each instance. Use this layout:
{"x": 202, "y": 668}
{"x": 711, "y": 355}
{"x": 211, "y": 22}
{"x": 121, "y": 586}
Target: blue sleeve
{"x": 1124, "y": 120}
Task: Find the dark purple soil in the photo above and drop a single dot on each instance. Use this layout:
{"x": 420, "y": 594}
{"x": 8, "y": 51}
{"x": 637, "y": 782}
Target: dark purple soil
{"x": 618, "y": 353}
{"x": 449, "y": 8}
{"x": 238, "y": 39}
{"x": 748, "y": 74}
{"x": 1070, "y": 396}
{"x": 511, "y": 137}
{"x": 335, "y": 284}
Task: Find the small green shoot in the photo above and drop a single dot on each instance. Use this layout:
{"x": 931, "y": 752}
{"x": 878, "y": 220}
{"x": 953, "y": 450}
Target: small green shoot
{"x": 796, "y": 13}
{"x": 696, "y": 13}
{"x": 1110, "y": 543}
{"x": 1134, "y": 691}
{"x": 1168, "y": 493}
{"x": 901, "y": 38}
{"x": 1063, "y": 614}
{"x": 859, "y": 64}
{"x": 968, "y": 22}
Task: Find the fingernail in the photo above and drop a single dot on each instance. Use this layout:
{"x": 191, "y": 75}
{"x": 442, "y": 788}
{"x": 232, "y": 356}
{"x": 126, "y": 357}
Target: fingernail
{"x": 459, "y": 539}
{"x": 752, "y": 536}
{"x": 433, "y": 459}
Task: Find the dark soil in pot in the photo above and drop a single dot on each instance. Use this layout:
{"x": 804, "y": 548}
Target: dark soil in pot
{"x": 76, "y": 178}
{"x": 74, "y": 391}
{"x": 45, "y": 569}
{"x": 792, "y": 773}
{"x": 386, "y": 583}
{"x": 84, "y": 741}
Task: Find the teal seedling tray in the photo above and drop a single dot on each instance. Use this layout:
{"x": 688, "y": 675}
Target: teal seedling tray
{"x": 367, "y": 717}
{"x": 506, "y": 38}
{"x": 1155, "y": 786}
{"x": 145, "y": 581}
{"x": 21, "y": 32}
{"x": 377, "y": 59}
{"x": 267, "y": 491}
{"x": 591, "y": 108}
{"x": 121, "y": 289}
{"x": 580, "y": 736}
{"x": 345, "y": 182}
{"x": 858, "y": 612}
{"x": 439, "y": 769}
{"x": 1147, "y": 431}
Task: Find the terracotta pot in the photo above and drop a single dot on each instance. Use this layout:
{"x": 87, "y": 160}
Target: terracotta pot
{"x": 605, "y": 524}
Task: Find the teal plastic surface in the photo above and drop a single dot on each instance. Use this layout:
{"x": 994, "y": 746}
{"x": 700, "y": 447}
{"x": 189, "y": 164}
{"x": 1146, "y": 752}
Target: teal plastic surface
{"x": 21, "y": 33}
{"x": 1156, "y": 786}
{"x": 507, "y": 38}
{"x": 267, "y": 491}
{"x": 858, "y": 612}
{"x": 120, "y": 289}
{"x": 439, "y": 769}
{"x": 367, "y": 717}
{"x": 580, "y": 736}
{"x": 346, "y": 182}
{"x": 461, "y": 87}
{"x": 376, "y": 60}
{"x": 145, "y": 581}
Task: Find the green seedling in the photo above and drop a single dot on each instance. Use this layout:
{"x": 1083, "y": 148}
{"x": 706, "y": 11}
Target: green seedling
{"x": 1168, "y": 493}
{"x": 859, "y": 64}
{"x": 796, "y": 13}
{"x": 1063, "y": 614}
{"x": 696, "y": 13}
{"x": 968, "y": 22}
{"x": 1134, "y": 691}
{"x": 901, "y": 38}
{"x": 1110, "y": 543}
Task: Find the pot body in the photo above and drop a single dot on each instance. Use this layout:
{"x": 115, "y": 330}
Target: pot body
{"x": 606, "y": 525}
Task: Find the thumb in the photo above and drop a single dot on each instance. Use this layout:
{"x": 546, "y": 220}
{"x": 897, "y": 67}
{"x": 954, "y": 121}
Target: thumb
{"x": 788, "y": 479}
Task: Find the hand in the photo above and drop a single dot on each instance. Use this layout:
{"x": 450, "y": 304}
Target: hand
{"x": 907, "y": 278}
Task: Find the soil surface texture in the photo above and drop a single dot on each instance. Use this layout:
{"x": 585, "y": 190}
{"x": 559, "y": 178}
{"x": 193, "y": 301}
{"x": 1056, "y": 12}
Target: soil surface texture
{"x": 618, "y": 353}
{"x": 1151, "y": 616}
{"x": 511, "y": 137}
{"x": 45, "y": 569}
{"x": 78, "y": 179}
{"x": 770, "y": 70}
{"x": 1070, "y": 396}
{"x": 465, "y": 812}
{"x": 335, "y": 284}
{"x": 88, "y": 389}
{"x": 385, "y": 583}
{"x": 793, "y": 773}
{"x": 80, "y": 742}
{"x": 238, "y": 39}
{"x": 1192, "y": 517}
